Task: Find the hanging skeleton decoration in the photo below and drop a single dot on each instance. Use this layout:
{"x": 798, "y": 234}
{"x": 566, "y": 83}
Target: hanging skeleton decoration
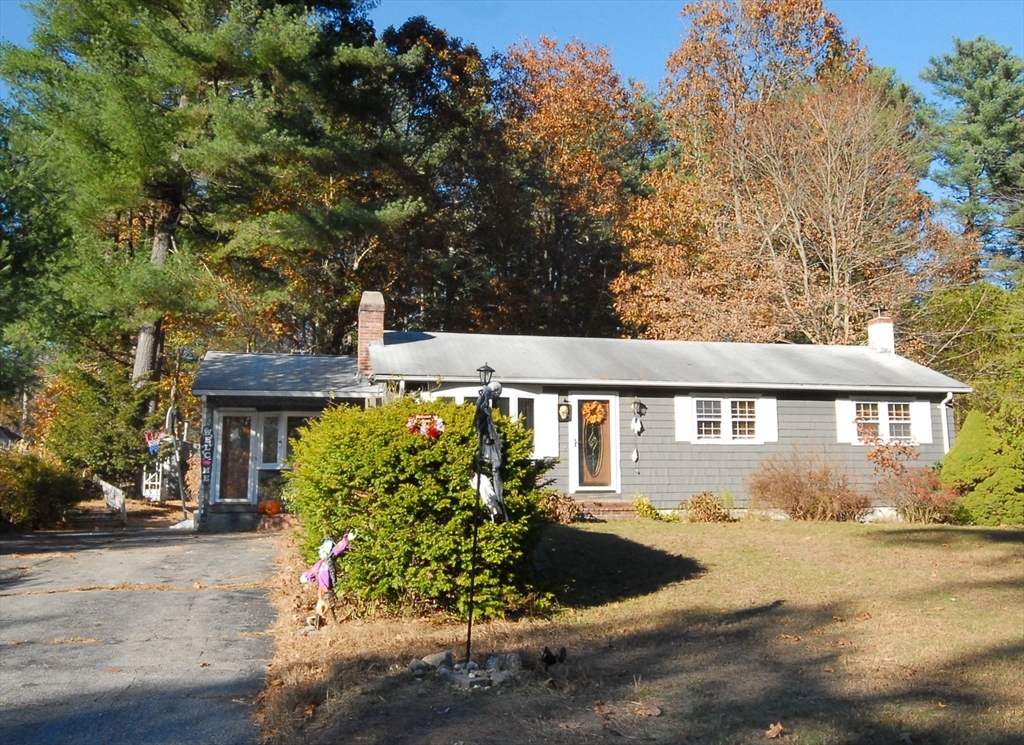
{"x": 325, "y": 575}
{"x": 490, "y": 489}
{"x": 489, "y": 497}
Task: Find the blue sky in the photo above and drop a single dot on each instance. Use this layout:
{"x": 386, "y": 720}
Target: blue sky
{"x": 642, "y": 33}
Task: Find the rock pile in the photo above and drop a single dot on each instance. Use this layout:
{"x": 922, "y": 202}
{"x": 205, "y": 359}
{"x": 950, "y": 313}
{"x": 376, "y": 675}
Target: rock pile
{"x": 498, "y": 671}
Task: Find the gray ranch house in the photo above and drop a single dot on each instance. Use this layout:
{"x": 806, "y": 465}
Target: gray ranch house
{"x": 619, "y": 417}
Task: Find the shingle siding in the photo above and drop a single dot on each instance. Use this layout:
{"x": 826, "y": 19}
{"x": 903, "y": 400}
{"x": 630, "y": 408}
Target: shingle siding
{"x": 669, "y": 472}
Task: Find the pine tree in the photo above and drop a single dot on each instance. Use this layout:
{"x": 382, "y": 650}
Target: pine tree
{"x": 981, "y": 141}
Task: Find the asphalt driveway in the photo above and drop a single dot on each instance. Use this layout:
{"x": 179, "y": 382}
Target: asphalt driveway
{"x": 154, "y": 636}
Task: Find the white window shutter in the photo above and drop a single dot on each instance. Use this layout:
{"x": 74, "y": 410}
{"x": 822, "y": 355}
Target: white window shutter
{"x": 767, "y": 424}
{"x": 846, "y": 426}
{"x": 545, "y": 425}
{"x": 684, "y": 419}
{"x": 921, "y": 422}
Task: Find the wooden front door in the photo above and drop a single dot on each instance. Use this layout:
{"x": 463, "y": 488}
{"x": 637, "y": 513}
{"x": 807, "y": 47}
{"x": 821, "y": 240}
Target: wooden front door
{"x": 595, "y": 449}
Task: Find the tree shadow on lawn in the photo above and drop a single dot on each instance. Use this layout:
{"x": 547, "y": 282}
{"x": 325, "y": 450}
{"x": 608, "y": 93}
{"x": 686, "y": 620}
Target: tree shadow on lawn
{"x": 940, "y": 534}
{"x": 716, "y": 678}
{"x": 593, "y": 568}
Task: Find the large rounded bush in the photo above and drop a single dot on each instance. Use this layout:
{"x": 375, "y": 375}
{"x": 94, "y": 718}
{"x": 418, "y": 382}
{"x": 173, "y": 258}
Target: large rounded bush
{"x": 409, "y": 497}
{"x": 987, "y": 472}
{"x": 34, "y": 493}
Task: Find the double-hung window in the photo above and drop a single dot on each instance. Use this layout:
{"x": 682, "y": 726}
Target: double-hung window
{"x": 711, "y": 419}
{"x": 903, "y": 421}
{"x": 536, "y": 412}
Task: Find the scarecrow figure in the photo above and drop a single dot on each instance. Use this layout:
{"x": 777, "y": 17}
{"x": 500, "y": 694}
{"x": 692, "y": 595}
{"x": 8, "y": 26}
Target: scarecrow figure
{"x": 490, "y": 448}
{"x": 325, "y": 574}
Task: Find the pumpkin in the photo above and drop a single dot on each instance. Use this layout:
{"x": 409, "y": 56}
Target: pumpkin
{"x": 269, "y": 507}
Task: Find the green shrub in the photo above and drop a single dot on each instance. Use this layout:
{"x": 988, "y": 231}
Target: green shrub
{"x": 646, "y": 510}
{"x": 561, "y": 508}
{"x": 98, "y": 423}
{"x": 805, "y": 488}
{"x": 34, "y": 493}
{"x": 410, "y": 498}
{"x": 705, "y": 508}
{"x": 987, "y": 474}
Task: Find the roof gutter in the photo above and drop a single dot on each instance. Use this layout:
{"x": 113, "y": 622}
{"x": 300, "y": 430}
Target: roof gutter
{"x": 361, "y": 393}
{"x": 701, "y": 385}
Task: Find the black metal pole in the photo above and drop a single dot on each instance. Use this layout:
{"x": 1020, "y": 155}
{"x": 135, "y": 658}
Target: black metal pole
{"x": 472, "y": 557}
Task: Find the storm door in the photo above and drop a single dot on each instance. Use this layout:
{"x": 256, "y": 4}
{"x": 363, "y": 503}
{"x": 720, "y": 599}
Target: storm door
{"x": 235, "y": 456}
{"x": 594, "y": 455}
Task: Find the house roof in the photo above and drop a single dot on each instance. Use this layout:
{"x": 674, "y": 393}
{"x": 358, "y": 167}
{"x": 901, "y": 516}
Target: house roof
{"x": 548, "y": 360}
{"x": 279, "y": 375}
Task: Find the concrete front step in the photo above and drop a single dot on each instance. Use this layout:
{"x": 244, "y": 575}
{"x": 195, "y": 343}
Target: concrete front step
{"x": 94, "y": 518}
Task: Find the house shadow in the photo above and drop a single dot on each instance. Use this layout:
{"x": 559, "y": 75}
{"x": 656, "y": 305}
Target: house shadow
{"x": 587, "y": 568}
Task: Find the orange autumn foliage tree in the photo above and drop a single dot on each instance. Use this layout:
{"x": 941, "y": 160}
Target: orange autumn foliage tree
{"x": 581, "y": 139}
{"x": 789, "y": 211}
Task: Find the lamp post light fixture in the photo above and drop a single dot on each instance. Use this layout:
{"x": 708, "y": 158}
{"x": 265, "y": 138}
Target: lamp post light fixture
{"x": 486, "y": 371}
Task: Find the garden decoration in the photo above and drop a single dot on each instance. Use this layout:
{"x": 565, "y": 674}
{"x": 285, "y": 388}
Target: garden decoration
{"x": 488, "y": 496}
{"x": 489, "y": 444}
{"x": 324, "y": 573}
{"x": 488, "y": 449}
{"x": 427, "y": 425}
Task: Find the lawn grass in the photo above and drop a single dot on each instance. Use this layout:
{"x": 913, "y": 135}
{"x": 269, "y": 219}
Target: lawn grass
{"x": 843, "y": 633}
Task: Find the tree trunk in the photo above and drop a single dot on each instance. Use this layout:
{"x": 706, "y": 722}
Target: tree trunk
{"x": 147, "y": 346}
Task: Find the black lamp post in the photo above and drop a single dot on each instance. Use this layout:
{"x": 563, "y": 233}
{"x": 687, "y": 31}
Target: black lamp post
{"x": 485, "y": 372}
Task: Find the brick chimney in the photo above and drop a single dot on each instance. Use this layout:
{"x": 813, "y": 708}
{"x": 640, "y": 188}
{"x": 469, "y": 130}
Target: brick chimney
{"x": 880, "y": 335}
{"x": 371, "y": 329}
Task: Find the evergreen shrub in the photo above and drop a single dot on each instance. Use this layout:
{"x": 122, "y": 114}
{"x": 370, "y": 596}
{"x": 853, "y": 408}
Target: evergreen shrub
{"x": 97, "y": 423}
{"x": 34, "y": 493}
{"x": 409, "y": 497}
{"x": 987, "y": 473}
{"x": 805, "y": 487}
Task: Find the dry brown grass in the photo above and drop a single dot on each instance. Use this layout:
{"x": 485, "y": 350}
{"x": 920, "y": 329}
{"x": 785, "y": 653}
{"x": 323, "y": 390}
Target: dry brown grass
{"x": 841, "y": 633}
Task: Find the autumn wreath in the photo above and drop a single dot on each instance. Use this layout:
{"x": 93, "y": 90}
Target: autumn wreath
{"x": 594, "y": 412}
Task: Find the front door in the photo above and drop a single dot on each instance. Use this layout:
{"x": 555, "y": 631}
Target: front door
{"x": 593, "y": 458}
{"x": 235, "y": 457}
{"x": 253, "y": 449}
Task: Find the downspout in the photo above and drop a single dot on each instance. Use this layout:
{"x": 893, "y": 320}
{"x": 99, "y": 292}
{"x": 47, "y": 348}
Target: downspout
{"x": 945, "y": 424}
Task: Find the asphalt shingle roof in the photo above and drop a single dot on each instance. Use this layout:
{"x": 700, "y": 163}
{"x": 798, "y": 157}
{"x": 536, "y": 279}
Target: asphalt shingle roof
{"x": 226, "y": 373}
{"x": 632, "y": 362}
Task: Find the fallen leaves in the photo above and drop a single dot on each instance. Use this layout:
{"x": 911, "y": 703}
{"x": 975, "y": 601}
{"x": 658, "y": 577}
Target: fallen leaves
{"x": 775, "y": 731}
{"x": 647, "y": 710}
{"x": 790, "y": 637}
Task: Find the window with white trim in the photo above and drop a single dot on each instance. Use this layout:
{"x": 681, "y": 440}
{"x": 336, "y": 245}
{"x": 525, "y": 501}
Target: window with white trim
{"x": 707, "y": 419}
{"x": 535, "y": 411}
{"x": 903, "y": 421}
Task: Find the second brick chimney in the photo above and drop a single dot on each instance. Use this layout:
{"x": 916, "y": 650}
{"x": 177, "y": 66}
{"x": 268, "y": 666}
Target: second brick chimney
{"x": 371, "y": 329}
